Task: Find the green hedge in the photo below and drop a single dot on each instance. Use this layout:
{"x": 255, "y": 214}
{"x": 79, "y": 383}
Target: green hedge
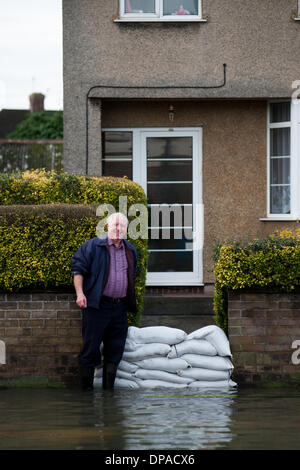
{"x": 45, "y": 217}
{"x": 269, "y": 263}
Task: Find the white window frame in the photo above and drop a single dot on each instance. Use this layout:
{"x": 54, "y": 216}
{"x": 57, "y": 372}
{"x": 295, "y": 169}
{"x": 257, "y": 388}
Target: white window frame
{"x": 294, "y": 125}
{"x": 297, "y": 18}
{"x": 139, "y": 135}
{"x": 158, "y": 15}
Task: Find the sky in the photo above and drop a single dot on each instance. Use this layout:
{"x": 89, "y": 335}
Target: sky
{"x": 30, "y": 52}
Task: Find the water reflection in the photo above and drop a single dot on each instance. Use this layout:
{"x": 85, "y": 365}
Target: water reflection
{"x": 160, "y": 420}
{"x": 122, "y": 420}
{"x": 149, "y": 419}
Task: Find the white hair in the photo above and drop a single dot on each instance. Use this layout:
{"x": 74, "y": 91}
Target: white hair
{"x": 113, "y": 216}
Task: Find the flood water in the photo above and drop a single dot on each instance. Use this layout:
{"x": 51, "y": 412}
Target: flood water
{"x": 64, "y": 419}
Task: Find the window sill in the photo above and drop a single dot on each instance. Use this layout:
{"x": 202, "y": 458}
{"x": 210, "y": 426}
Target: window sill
{"x": 280, "y": 219}
{"x": 160, "y": 20}
{"x": 297, "y": 19}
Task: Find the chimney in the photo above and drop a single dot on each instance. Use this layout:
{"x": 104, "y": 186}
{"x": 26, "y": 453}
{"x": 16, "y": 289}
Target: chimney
{"x": 36, "y": 102}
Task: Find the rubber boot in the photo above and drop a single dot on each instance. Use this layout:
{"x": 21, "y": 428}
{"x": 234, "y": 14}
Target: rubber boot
{"x": 87, "y": 377}
{"x": 109, "y": 375}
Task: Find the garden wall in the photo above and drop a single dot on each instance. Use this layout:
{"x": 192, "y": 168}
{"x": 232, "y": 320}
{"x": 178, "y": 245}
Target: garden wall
{"x": 42, "y": 335}
{"x": 262, "y": 327}
{"x": 42, "y": 332}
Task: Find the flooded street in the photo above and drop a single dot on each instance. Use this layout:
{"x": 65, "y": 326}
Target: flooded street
{"x": 144, "y": 420}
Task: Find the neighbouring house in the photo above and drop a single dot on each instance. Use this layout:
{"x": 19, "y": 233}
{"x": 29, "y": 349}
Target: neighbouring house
{"x": 197, "y": 101}
{"x": 10, "y": 118}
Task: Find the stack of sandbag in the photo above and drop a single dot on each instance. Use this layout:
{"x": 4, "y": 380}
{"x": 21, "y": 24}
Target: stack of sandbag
{"x": 164, "y": 357}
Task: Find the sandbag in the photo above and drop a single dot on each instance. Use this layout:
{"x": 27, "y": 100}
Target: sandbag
{"x": 146, "y": 351}
{"x": 196, "y": 373}
{"x": 156, "y": 334}
{"x": 193, "y": 346}
{"x": 159, "y": 384}
{"x": 208, "y": 362}
{"x": 218, "y": 384}
{"x": 124, "y": 375}
{"x": 131, "y": 345}
{"x": 147, "y": 374}
{"x": 215, "y": 336}
{"x": 98, "y": 372}
{"x": 127, "y": 366}
{"x": 120, "y": 373}
{"x": 124, "y": 383}
{"x": 163, "y": 363}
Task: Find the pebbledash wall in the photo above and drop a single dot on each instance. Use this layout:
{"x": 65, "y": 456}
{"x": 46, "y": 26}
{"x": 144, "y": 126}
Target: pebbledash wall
{"x": 264, "y": 334}
{"x": 42, "y": 336}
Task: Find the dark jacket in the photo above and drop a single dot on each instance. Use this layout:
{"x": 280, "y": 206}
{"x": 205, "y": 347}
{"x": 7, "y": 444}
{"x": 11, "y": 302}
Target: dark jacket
{"x": 92, "y": 261}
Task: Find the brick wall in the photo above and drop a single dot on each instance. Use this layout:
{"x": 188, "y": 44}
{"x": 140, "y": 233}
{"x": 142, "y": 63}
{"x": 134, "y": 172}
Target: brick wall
{"x": 42, "y": 335}
{"x": 262, "y": 327}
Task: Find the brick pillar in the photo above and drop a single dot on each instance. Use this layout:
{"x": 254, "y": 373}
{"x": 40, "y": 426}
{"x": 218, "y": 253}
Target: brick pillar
{"x": 42, "y": 336}
{"x": 262, "y": 328}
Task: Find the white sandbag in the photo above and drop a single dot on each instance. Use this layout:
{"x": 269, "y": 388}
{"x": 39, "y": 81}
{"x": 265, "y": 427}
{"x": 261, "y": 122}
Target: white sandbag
{"x": 98, "y": 372}
{"x": 124, "y": 383}
{"x": 196, "y": 373}
{"x": 131, "y": 345}
{"x": 147, "y": 374}
{"x": 156, "y": 334}
{"x": 163, "y": 363}
{"x": 124, "y": 375}
{"x": 127, "y": 366}
{"x": 120, "y": 373}
{"x": 146, "y": 351}
{"x": 218, "y": 384}
{"x": 208, "y": 362}
{"x": 215, "y": 336}
{"x": 193, "y": 346}
{"x": 159, "y": 384}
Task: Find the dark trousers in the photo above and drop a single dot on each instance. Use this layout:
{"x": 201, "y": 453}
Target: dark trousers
{"x": 108, "y": 324}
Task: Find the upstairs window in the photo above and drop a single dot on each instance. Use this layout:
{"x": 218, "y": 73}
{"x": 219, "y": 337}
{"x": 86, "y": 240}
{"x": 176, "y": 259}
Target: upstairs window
{"x": 160, "y": 10}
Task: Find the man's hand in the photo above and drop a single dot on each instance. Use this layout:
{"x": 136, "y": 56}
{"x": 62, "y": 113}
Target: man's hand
{"x": 81, "y": 301}
{"x": 81, "y": 298}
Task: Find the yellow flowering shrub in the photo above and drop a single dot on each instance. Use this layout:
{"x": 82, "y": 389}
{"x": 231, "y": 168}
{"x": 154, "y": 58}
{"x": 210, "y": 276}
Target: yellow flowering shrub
{"x": 45, "y": 216}
{"x": 273, "y": 262}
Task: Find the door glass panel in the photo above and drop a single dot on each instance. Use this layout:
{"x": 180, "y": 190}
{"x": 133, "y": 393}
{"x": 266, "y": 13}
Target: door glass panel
{"x": 170, "y": 171}
{"x": 169, "y": 187}
{"x": 173, "y": 193}
{"x": 117, "y": 144}
{"x": 117, "y": 154}
{"x": 116, "y": 168}
{"x": 170, "y": 239}
{"x": 170, "y": 261}
{"x": 170, "y": 215}
{"x": 169, "y": 147}
{"x": 181, "y": 7}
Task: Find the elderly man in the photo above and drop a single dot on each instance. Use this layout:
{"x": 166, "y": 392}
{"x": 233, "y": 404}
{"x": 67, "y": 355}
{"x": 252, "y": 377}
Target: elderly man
{"x": 104, "y": 271}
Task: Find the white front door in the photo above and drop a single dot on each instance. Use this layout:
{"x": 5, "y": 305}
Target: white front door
{"x": 167, "y": 163}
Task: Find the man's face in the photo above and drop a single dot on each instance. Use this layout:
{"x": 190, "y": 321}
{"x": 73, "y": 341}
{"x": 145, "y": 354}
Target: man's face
{"x": 117, "y": 228}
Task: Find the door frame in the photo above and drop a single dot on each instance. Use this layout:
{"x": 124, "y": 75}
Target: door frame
{"x": 139, "y": 175}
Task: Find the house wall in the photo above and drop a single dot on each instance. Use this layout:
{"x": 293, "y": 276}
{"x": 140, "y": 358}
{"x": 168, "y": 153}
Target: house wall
{"x": 257, "y": 40}
{"x": 234, "y": 161}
